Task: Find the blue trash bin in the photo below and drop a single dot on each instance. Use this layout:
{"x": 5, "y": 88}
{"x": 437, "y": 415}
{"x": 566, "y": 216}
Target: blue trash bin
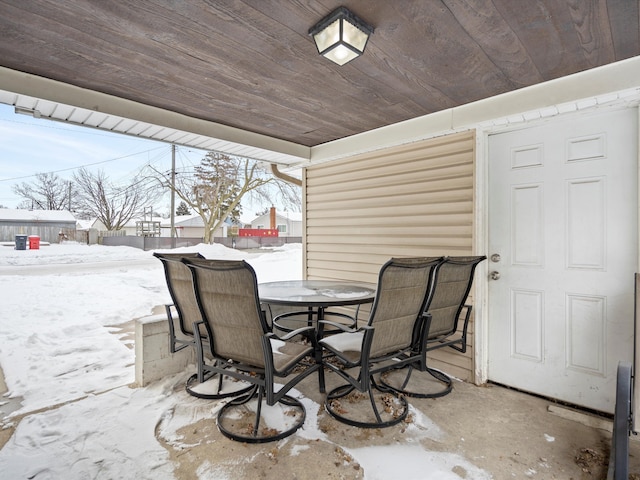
{"x": 21, "y": 242}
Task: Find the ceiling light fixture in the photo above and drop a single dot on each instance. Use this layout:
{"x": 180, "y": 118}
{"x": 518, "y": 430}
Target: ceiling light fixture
{"x": 341, "y": 36}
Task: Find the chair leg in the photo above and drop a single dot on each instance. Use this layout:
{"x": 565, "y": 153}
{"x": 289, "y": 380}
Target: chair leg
{"x": 200, "y": 389}
{"x": 374, "y": 408}
{"x": 399, "y": 383}
{"x": 242, "y": 419}
{"x": 219, "y": 383}
{"x": 199, "y": 354}
{"x": 387, "y": 406}
{"x": 204, "y": 373}
{"x": 318, "y": 359}
{"x": 256, "y": 424}
{"x": 406, "y": 380}
{"x": 442, "y": 377}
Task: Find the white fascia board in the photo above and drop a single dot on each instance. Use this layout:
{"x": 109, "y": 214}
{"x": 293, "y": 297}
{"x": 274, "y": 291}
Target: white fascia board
{"x": 52, "y": 90}
{"x": 582, "y": 86}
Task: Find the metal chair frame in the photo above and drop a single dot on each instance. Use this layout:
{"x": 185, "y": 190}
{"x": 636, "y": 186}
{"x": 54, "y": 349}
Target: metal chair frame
{"x": 188, "y": 316}
{"x": 427, "y": 340}
{"x": 262, "y": 371}
{"x": 379, "y": 354}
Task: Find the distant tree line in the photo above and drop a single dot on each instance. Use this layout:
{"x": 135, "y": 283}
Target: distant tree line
{"x": 213, "y": 189}
{"x": 89, "y": 195}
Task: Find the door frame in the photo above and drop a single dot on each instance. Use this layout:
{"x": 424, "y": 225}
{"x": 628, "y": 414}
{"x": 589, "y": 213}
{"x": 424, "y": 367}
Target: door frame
{"x": 481, "y": 233}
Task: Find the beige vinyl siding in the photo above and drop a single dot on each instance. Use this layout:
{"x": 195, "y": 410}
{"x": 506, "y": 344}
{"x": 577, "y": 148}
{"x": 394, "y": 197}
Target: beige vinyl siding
{"x": 411, "y": 200}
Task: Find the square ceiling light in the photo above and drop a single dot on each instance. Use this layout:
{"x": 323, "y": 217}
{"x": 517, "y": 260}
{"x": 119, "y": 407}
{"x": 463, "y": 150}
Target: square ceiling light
{"x": 341, "y": 36}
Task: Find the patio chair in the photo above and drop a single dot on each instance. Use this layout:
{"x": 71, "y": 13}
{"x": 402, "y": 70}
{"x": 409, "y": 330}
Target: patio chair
{"x": 445, "y": 304}
{"x": 357, "y": 355}
{"x": 243, "y": 347}
{"x": 180, "y": 285}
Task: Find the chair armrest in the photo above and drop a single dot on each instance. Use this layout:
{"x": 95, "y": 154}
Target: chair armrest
{"x": 290, "y": 335}
{"x": 196, "y": 328}
{"x": 339, "y": 326}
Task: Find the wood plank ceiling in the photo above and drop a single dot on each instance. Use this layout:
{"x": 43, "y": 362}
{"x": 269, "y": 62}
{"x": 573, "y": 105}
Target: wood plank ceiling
{"x": 250, "y": 63}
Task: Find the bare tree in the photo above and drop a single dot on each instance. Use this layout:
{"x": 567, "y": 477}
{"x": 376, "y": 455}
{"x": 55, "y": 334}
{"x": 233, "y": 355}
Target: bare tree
{"x": 47, "y": 192}
{"x": 286, "y": 188}
{"x": 113, "y": 205}
{"x": 217, "y": 186}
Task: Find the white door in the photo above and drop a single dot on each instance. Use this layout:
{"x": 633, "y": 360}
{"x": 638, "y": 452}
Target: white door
{"x": 563, "y": 220}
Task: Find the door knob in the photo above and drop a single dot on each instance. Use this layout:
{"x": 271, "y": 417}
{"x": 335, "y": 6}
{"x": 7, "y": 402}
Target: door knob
{"x": 494, "y": 275}
{"x": 495, "y": 258}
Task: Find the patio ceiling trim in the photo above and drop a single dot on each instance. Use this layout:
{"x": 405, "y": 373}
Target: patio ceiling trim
{"x": 593, "y": 87}
{"x": 59, "y": 101}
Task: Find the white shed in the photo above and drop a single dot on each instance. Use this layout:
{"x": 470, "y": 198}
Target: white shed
{"x": 46, "y": 224}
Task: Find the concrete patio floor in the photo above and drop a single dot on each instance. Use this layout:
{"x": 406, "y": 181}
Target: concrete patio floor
{"x": 506, "y": 433}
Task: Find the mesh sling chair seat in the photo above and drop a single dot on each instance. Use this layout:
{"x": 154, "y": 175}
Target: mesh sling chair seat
{"x": 445, "y": 304}
{"x": 397, "y": 313}
{"x": 243, "y": 346}
{"x": 180, "y": 285}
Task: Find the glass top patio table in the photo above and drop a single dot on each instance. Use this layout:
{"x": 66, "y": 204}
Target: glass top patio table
{"x": 310, "y": 299}
{"x": 316, "y": 293}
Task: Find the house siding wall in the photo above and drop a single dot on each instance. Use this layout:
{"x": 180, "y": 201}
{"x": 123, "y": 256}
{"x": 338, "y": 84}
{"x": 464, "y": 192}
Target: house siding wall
{"x": 412, "y": 200}
{"x": 188, "y": 232}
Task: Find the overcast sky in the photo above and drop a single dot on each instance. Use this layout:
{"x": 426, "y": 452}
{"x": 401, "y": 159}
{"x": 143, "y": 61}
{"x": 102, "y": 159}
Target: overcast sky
{"x": 29, "y": 146}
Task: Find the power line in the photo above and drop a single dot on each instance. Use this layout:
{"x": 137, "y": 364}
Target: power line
{"x": 82, "y": 166}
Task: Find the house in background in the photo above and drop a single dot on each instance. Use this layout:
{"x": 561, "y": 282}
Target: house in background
{"x": 87, "y": 230}
{"x": 288, "y": 224}
{"x": 187, "y": 226}
{"x": 85, "y": 224}
{"x": 46, "y": 224}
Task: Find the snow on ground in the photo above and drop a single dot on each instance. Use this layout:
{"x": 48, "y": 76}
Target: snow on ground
{"x": 60, "y": 305}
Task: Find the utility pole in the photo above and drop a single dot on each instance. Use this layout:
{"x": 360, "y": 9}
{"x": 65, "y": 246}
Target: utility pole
{"x": 173, "y": 195}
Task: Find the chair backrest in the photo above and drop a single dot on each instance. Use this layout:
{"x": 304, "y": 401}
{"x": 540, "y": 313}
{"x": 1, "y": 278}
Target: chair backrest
{"x": 227, "y": 294}
{"x": 403, "y": 284}
{"x": 450, "y": 290}
{"x": 180, "y": 284}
